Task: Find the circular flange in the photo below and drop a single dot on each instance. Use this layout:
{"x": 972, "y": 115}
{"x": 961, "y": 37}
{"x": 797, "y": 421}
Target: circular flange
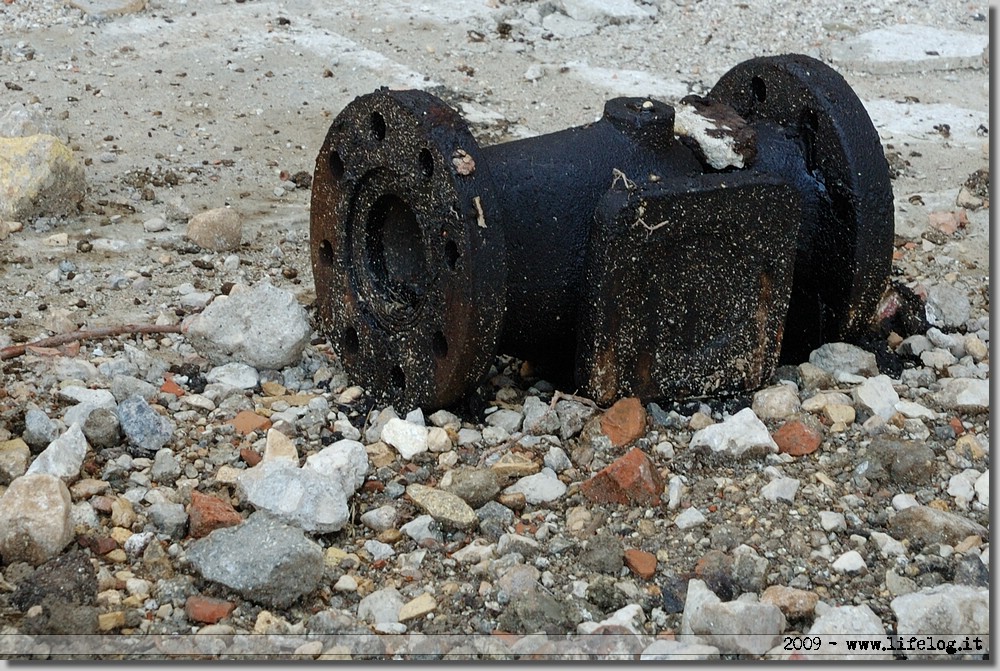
{"x": 409, "y": 268}
{"x": 844, "y": 253}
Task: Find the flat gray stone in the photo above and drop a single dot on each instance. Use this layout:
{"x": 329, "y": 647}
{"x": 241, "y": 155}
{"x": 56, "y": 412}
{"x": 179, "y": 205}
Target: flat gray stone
{"x": 381, "y": 607}
{"x": 282, "y": 566}
{"x": 949, "y": 611}
{"x": 234, "y": 374}
{"x": 539, "y": 418}
{"x": 475, "y": 486}
{"x": 690, "y": 517}
{"x": 146, "y": 430}
{"x": 446, "y": 508}
{"x": 841, "y": 624}
{"x": 780, "y": 489}
{"x": 508, "y": 420}
{"x": 739, "y": 627}
{"x": 422, "y": 527}
{"x": 839, "y": 357}
{"x": 877, "y": 395}
{"x": 168, "y": 518}
{"x": 39, "y": 429}
{"x": 930, "y": 525}
{"x": 947, "y": 306}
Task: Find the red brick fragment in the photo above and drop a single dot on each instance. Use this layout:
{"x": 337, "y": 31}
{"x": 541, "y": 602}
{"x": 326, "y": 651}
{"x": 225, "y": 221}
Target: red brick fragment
{"x": 642, "y": 563}
{"x": 247, "y": 421}
{"x": 624, "y": 422}
{"x": 206, "y": 609}
{"x": 250, "y": 456}
{"x": 797, "y": 438}
{"x": 631, "y": 478}
{"x": 207, "y": 513}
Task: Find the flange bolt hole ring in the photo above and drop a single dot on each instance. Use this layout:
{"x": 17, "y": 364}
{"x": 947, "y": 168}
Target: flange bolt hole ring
{"x": 378, "y": 126}
{"x": 426, "y": 163}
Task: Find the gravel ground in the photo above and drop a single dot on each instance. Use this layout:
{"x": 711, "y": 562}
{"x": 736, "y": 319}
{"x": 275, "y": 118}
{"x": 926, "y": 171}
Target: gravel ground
{"x": 847, "y": 499}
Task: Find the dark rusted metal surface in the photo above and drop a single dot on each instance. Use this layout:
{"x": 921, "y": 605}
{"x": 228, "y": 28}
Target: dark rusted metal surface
{"x": 637, "y": 257}
{"x": 845, "y": 239}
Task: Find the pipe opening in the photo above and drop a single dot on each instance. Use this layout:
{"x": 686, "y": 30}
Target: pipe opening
{"x": 395, "y": 250}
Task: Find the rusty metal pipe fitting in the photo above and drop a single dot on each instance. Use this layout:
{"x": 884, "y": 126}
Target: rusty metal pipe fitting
{"x": 658, "y": 252}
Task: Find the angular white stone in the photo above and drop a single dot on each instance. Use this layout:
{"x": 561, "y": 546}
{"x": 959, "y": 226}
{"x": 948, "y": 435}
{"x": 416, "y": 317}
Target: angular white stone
{"x": 982, "y": 488}
{"x": 408, "y": 438}
{"x": 691, "y": 517}
{"x": 877, "y": 395}
{"x": 850, "y": 562}
{"x": 832, "y": 521}
{"x": 541, "y": 487}
{"x": 738, "y": 436}
{"x": 64, "y": 456}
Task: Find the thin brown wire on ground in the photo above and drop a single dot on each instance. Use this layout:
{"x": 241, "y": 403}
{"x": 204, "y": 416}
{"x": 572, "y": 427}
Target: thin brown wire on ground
{"x": 89, "y": 334}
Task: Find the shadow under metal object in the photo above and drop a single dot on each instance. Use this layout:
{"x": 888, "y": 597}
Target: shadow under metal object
{"x": 658, "y": 252}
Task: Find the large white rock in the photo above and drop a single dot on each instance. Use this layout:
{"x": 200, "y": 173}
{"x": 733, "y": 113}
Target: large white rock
{"x": 948, "y": 611}
{"x": 742, "y": 435}
{"x": 301, "y": 497}
{"x": 39, "y": 176}
{"x": 262, "y": 326}
{"x": 960, "y": 393}
{"x": 345, "y": 462}
{"x": 838, "y": 625}
{"x": 734, "y": 627}
{"x": 909, "y": 47}
{"x": 777, "y": 402}
{"x": 35, "y": 519}
{"x": 982, "y": 488}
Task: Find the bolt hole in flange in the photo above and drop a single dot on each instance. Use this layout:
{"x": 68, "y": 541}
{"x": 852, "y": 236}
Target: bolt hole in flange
{"x": 326, "y": 253}
{"x": 395, "y": 250}
{"x": 352, "y": 344}
{"x": 336, "y": 165}
{"x": 451, "y": 254}
{"x": 808, "y": 129}
{"x": 397, "y": 378}
{"x": 759, "y": 89}
{"x": 378, "y": 126}
{"x": 426, "y": 163}
{"x": 439, "y": 345}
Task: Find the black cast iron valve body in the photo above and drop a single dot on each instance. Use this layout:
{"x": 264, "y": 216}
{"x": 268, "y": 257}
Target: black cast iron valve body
{"x": 657, "y": 252}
